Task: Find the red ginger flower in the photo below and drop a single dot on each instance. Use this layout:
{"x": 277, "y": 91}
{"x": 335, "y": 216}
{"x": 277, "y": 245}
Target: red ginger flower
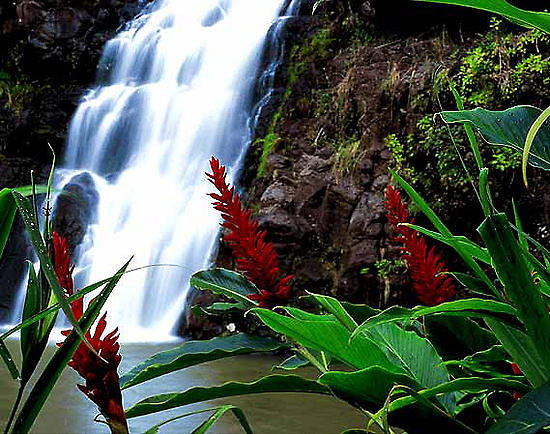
{"x": 256, "y": 258}
{"x": 102, "y": 381}
{"x": 426, "y": 266}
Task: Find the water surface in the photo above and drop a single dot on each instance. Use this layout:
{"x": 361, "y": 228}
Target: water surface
{"x": 69, "y": 411}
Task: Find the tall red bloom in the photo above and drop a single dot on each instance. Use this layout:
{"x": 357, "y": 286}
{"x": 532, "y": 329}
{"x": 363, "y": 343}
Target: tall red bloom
{"x": 426, "y": 266}
{"x": 256, "y": 258}
{"x": 102, "y": 381}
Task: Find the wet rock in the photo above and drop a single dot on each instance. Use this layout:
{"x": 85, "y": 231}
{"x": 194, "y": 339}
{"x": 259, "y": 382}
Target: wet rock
{"x": 76, "y": 208}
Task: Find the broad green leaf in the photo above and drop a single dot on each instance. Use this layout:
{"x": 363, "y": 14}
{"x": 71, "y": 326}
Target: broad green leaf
{"x": 459, "y": 242}
{"x": 218, "y": 308}
{"x": 508, "y": 128}
{"x": 416, "y": 355}
{"x": 195, "y": 352}
{"x": 293, "y": 362}
{"x": 359, "y": 312}
{"x": 468, "y": 307}
{"x": 46, "y": 266}
{"x": 227, "y": 283}
{"x": 328, "y": 336}
{"x": 471, "y": 385}
{"x": 219, "y": 411}
{"x": 536, "y": 20}
{"x": 333, "y": 306}
{"x": 515, "y": 274}
{"x": 45, "y": 383}
{"x": 471, "y": 283}
{"x": 457, "y": 337}
{"x": 367, "y": 386}
{"x": 523, "y": 351}
{"x": 529, "y": 415}
{"x": 209, "y": 423}
{"x": 268, "y": 384}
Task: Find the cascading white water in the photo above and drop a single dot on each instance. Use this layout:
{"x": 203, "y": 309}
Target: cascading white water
{"x": 175, "y": 87}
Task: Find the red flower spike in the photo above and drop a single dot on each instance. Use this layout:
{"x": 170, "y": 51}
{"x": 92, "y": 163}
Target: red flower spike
{"x": 102, "y": 381}
{"x": 426, "y": 266}
{"x": 517, "y": 371}
{"x": 255, "y": 258}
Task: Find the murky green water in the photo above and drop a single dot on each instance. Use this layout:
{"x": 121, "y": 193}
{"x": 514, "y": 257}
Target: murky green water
{"x": 69, "y": 411}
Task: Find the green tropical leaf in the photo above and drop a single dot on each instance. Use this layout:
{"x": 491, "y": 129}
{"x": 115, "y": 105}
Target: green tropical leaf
{"x": 293, "y": 362}
{"x": 209, "y": 423}
{"x": 227, "y": 283}
{"x": 508, "y": 128}
{"x": 195, "y": 352}
{"x": 535, "y": 20}
{"x": 471, "y": 385}
{"x": 416, "y": 355}
{"x": 367, "y": 386}
{"x": 529, "y": 415}
{"x": 219, "y": 412}
{"x": 469, "y": 307}
{"x": 333, "y": 306}
{"x": 45, "y": 383}
{"x": 328, "y": 336}
{"x": 268, "y": 384}
{"x": 515, "y": 274}
{"x": 523, "y": 351}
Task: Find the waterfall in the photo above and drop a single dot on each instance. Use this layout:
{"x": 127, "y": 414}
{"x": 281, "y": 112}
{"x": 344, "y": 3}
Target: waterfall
{"x": 175, "y": 86}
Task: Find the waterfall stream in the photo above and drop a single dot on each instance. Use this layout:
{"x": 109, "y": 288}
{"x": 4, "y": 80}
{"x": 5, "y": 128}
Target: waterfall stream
{"x": 175, "y": 86}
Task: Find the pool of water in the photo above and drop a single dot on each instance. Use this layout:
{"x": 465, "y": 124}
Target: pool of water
{"x": 69, "y": 411}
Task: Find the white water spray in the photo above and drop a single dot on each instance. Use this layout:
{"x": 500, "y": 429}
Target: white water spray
{"x": 175, "y": 87}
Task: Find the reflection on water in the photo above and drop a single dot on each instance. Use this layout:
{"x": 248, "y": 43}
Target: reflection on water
{"x": 69, "y": 411}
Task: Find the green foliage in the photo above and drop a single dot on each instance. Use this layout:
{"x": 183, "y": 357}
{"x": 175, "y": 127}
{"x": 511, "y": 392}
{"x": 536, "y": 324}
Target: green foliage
{"x": 300, "y": 55}
{"x": 348, "y": 154}
{"x": 14, "y": 93}
{"x": 195, "y": 352}
{"x": 386, "y": 267}
{"x": 508, "y": 128}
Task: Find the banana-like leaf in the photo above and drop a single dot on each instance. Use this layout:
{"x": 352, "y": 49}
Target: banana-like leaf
{"x": 207, "y": 424}
{"x": 470, "y": 384}
{"x": 45, "y": 383}
{"x": 333, "y": 306}
{"x": 416, "y": 355}
{"x": 227, "y": 283}
{"x": 268, "y": 384}
{"x": 515, "y": 274}
{"x": 469, "y": 307}
{"x": 195, "y": 352}
{"x": 328, "y": 336}
{"x": 367, "y": 386}
{"x": 508, "y": 128}
{"x": 529, "y": 415}
{"x": 293, "y": 362}
{"x": 529, "y": 19}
